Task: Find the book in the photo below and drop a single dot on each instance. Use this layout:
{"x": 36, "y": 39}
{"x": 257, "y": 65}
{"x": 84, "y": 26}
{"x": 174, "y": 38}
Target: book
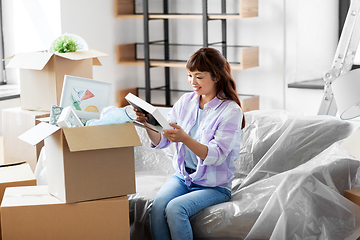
{"x": 153, "y": 114}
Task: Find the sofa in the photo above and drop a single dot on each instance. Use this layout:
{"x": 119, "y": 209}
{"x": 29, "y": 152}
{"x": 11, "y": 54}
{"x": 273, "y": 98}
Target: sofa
{"x": 289, "y": 184}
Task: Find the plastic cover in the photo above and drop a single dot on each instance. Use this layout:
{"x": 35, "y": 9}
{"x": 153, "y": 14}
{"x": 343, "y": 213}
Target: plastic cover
{"x": 289, "y": 184}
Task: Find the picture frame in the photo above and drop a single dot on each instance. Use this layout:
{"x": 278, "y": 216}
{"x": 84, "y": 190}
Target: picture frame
{"x": 87, "y": 96}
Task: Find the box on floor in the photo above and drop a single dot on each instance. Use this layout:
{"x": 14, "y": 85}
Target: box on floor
{"x": 15, "y": 122}
{"x": 87, "y": 163}
{"x": 12, "y": 175}
{"x": 42, "y": 75}
{"x": 32, "y": 213}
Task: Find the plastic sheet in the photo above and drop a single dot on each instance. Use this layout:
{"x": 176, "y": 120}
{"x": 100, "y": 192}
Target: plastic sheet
{"x": 112, "y": 114}
{"x": 40, "y": 170}
{"x": 303, "y": 203}
{"x": 290, "y": 179}
{"x": 289, "y": 184}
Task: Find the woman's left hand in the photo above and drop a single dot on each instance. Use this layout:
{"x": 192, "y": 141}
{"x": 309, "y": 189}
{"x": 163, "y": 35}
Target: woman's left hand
{"x": 175, "y": 135}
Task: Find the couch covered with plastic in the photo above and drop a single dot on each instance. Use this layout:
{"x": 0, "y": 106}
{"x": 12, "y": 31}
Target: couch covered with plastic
{"x": 289, "y": 183}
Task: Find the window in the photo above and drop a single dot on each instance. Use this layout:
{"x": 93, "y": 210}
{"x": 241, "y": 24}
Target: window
{"x": 25, "y": 26}
{"x": 2, "y": 68}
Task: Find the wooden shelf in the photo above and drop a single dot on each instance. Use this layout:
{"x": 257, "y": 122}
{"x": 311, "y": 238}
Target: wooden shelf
{"x": 248, "y": 102}
{"x": 126, "y": 9}
{"x": 154, "y": 53}
{"x": 126, "y": 54}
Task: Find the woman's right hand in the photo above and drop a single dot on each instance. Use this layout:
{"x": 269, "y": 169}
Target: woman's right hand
{"x": 140, "y": 116}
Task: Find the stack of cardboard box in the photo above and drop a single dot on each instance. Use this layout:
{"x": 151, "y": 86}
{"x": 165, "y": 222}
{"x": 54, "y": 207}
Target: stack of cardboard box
{"x": 11, "y": 175}
{"x": 90, "y": 172}
{"x": 90, "y": 169}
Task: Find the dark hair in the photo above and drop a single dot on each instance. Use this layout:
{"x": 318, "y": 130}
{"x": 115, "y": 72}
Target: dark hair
{"x": 212, "y": 61}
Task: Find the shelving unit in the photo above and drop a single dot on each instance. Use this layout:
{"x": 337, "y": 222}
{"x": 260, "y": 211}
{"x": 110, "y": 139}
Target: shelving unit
{"x": 129, "y": 53}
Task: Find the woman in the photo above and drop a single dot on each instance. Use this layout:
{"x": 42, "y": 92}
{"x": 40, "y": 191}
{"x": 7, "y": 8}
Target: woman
{"x": 207, "y": 128}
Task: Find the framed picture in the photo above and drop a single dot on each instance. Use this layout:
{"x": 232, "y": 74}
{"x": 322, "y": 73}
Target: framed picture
{"x": 87, "y": 96}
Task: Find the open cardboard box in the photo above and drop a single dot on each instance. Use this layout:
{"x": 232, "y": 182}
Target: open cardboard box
{"x": 32, "y": 213}
{"x": 42, "y": 75}
{"x": 87, "y": 163}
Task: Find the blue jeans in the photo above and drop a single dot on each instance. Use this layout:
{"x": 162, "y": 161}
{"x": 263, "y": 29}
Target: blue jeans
{"x": 176, "y": 202}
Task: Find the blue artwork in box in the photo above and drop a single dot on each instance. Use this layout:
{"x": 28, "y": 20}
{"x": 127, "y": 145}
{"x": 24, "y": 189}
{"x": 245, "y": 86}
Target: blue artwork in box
{"x": 55, "y": 114}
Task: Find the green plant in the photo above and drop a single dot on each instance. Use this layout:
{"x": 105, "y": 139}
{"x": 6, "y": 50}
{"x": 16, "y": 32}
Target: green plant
{"x": 65, "y": 44}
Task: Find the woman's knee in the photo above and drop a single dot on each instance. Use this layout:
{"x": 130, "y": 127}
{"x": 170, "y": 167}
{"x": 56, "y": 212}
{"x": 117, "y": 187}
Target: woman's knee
{"x": 174, "y": 208}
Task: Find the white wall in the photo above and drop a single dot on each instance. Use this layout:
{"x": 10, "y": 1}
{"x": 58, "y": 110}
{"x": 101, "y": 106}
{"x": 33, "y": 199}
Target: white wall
{"x": 296, "y": 38}
{"x": 28, "y": 25}
{"x": 95, "y": 22}
{"x": 311, "y": 40}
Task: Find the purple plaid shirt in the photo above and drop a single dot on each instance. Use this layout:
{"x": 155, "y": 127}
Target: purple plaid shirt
{"x": 219, "y": 129}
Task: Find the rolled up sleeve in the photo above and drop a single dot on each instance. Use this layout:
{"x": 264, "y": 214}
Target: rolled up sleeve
{"x": 225, "y": 138}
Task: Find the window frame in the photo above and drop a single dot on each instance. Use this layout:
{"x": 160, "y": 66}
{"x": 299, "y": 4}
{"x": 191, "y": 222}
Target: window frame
{"x": 2, "y": 49}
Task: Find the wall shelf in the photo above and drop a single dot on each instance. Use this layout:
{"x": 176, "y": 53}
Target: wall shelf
{"x": 126, "y": 54}
{"x": 248, "y": 102}
{"x": 126, "y": 9}
{"x": 163, "y": 53}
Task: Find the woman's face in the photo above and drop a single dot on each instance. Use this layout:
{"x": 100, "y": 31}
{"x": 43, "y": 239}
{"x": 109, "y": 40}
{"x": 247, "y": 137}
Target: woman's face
{"x": 203, "y": 84}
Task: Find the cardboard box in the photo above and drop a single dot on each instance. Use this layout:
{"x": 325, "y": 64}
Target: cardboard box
{"x": 86, "y": 163}
{"x": 17, "y": 174}
{"x": 11, "y": 175}
{"x": 15, "y": 122}
{"x": 42, "y": 75}
{"x": 31, "y": 213}
{"x": 354, "y": 196}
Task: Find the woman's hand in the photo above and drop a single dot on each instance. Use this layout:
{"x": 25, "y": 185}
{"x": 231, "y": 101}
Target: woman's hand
{"x": 175, "y": 135}
{"x": 140, "y": 116}
{"x": 154, "y": 136}
{"x": 179, "y": 135}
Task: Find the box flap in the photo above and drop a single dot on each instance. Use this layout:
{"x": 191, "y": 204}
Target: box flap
{"x": 82, "y": 55}
{"x": 351, "y": 144}
{"x": 16, "y": 173}
{"x": 96, "y": 62}
{"x": 101, "y": 137}
{"x": 30, "y": 60}
{"x": 28, "y": 196}
{"x": 38, "y": 133}
{"x": 11, "y": 164}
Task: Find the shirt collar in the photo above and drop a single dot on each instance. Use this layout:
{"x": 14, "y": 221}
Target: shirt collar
{"x": 214, "y": 103}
